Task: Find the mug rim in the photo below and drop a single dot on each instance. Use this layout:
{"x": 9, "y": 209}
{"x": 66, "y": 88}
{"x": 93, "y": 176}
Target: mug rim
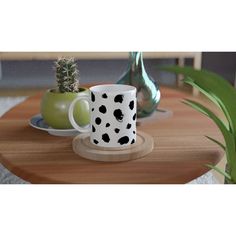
{"x": 120, "y": 88}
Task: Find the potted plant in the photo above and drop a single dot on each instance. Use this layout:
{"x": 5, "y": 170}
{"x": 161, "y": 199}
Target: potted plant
{"x": 219, "y": 91}
{"x": 55, "y": 102}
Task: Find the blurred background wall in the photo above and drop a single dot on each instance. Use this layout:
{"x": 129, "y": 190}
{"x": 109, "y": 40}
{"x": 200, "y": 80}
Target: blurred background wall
{"x": 223, "y": 63}
{"x": 40, "y": 74}
{"x": 27, "y": 74}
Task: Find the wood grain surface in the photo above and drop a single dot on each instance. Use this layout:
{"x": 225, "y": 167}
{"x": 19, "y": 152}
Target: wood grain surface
{"x": 179, "y": 155}
{"x": 82, "y": 146}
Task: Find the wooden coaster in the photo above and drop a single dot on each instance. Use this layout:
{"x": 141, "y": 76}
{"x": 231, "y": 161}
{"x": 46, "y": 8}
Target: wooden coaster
{"x": 82, "y": 146}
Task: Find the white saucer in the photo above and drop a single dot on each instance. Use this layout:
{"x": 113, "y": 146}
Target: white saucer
{"x": 37, "y": 122}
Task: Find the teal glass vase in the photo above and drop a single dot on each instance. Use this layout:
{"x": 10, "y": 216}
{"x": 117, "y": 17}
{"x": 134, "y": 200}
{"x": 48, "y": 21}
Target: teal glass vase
{"x": 148, "y": 93}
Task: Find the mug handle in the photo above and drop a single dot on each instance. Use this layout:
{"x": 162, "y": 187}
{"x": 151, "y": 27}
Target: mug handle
{"x": 71, "y": 114}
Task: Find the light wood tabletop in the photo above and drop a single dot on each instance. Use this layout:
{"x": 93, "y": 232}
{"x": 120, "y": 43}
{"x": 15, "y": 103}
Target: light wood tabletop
{"x": 180, "y": 152}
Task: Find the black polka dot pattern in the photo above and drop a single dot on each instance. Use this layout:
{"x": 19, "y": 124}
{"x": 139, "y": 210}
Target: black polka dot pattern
{"x": 131, "y": 105}
{"x": 95, "y": 141}
{"x": 118, "y": 115}
{"x": 98, "y": 121}
{"x": 106, "y": 138}
{"x": 119, "y": 98}
{"x": 123, "y": 140}
{"x": 92, "y": 97}
{"x": 128, "y": 126}
{"x": 113, "y": 119}
{"x": 117, "y": 130}
{"x": 93, "y": 129}
{"x": 102, "y": 109}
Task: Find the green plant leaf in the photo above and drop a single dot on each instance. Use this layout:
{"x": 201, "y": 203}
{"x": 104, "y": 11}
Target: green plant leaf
{"x": 229, "y": 138}
{"x": 216, "y": 141}
{"x": 226, "y": 175}
{"x": 219, "y": 91}
{"x": 215, "y": 86}
{"x": 212, "y": 97}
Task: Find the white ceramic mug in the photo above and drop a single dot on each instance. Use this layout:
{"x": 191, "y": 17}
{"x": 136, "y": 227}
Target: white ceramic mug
{"x": 113, "y": 110}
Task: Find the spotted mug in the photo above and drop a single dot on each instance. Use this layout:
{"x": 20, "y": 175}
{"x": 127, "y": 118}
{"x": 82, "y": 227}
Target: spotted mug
{"x": 112, "y": 115}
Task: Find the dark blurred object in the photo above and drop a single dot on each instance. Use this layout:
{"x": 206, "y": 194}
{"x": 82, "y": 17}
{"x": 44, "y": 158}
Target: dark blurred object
{"x": 223, "y": 63}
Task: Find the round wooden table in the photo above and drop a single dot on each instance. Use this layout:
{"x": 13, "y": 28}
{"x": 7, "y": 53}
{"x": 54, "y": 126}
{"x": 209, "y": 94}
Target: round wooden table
{"x": 179, "y": 156}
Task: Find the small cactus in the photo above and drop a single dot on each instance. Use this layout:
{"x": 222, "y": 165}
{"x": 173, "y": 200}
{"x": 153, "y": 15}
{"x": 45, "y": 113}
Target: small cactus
{"x": 67, "y": 75}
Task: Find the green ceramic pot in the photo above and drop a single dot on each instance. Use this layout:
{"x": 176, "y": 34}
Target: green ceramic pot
{"x": 55, "y": 106}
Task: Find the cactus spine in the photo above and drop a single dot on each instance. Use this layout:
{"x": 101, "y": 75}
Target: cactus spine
{"x": 67, "y": 75}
